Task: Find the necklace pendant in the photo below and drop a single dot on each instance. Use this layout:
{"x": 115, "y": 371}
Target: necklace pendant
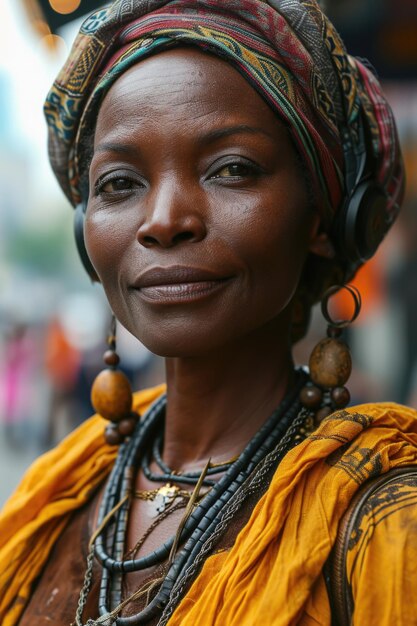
{"x": 165, "y": 496}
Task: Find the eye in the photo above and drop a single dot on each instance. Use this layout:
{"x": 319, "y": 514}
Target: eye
{"x": 116, "y": 184}
{"x": 236, "y": 170}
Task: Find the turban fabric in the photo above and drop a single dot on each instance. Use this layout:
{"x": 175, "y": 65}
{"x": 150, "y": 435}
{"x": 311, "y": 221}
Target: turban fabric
{"x": 288, "y": 51}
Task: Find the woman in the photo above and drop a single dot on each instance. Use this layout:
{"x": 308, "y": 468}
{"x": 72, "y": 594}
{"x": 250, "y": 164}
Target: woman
{"x": 215, "y": 149}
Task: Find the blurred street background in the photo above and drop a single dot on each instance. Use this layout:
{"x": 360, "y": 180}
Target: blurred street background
{"x": 53, "y": 321}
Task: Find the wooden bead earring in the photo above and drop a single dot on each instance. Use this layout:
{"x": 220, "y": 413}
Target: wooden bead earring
{"x": 111, "y": 395}
{"x": 330, "y": 362}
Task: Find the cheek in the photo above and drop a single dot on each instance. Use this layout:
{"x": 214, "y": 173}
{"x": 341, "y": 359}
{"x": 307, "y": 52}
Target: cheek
{"x": 275, "y": 247}
{"x": 108, "y": 240}
{"x": 274, "y": 236}
{"x": 105, "y": 242}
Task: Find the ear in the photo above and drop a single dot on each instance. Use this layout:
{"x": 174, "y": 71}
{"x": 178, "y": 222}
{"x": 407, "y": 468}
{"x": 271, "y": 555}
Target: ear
{"x": 320, "y": 242}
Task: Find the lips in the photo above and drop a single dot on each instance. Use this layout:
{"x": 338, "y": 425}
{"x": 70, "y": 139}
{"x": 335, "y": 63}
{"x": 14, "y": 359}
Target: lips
{"x": 178, "y": 283}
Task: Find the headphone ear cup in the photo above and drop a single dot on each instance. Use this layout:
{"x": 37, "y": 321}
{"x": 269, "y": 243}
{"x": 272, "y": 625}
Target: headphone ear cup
{"x": 364, "y": 222}
{"x": 79, "y": 240}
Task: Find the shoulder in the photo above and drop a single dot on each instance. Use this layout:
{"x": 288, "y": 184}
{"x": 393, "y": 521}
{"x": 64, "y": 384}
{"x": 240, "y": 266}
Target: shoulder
{"x": 373, "y": 438}
{"x": 79, "y": 463}
{"x": 389, "y": 413}
{"x": 381, "y": 557}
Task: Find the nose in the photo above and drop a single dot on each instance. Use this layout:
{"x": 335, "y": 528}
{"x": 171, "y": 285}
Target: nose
{"x": 171, "y": 218}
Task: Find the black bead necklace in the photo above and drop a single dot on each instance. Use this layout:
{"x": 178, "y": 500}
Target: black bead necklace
{"x": 109, "y": 543}
{"x": 167, "y": 474}
{"x": 214, "y": 468}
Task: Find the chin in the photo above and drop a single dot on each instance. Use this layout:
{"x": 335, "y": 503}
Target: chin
{"x": 177, "y": 345}
{"x": 178, "y": 334}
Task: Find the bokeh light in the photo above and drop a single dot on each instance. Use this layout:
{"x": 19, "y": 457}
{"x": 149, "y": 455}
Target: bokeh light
{"x": 54, "y": 43}
{"x": 41, "y": 27}
{"x": 64, "y": 6}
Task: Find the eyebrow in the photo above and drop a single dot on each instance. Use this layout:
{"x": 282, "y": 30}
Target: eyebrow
{"x": 228, "y": 131}
{"x": 115, "y": 147}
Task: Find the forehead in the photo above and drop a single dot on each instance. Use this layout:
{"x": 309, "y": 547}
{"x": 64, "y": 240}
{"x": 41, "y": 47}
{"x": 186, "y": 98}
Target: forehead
{"x": 184, "y": 86}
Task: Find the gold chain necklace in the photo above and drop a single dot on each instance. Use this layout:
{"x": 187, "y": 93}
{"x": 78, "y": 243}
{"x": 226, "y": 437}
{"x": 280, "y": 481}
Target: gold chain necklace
{"x": 163, "y": 497}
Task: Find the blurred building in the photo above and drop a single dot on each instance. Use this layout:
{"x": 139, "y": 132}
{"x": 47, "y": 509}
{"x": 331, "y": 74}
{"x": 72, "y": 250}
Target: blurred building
{"x": 383, "y": 31}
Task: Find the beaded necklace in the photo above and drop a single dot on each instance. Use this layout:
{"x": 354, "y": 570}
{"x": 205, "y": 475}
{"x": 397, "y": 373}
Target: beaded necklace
{"x": 279, "y": 433}
{"x": 166, "y": 473}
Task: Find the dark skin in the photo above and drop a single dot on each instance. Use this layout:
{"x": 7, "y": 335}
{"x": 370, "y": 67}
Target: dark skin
{"x": 198, "y": 225}
{"x": 188, "y": 174}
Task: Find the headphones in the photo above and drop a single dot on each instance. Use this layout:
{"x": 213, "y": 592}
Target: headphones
{"x": 363, "y": 220}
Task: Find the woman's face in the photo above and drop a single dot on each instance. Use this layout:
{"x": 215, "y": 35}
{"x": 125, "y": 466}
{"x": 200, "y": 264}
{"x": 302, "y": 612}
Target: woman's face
{"x": 198, "y": 221}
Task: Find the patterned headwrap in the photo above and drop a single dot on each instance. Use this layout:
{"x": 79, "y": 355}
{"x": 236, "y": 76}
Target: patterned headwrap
{"x": 287, "y": 50}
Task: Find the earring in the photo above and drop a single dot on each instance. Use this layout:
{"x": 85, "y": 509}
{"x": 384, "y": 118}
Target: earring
{"x": 111, "y": 395}
{"x": 330, "y": 362}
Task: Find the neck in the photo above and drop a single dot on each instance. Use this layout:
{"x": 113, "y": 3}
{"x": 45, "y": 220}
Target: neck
{"x": 217, "y": 403}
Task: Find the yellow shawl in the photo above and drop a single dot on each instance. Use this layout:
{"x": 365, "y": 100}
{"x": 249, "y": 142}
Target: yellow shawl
{"x": 272, "y": 575}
